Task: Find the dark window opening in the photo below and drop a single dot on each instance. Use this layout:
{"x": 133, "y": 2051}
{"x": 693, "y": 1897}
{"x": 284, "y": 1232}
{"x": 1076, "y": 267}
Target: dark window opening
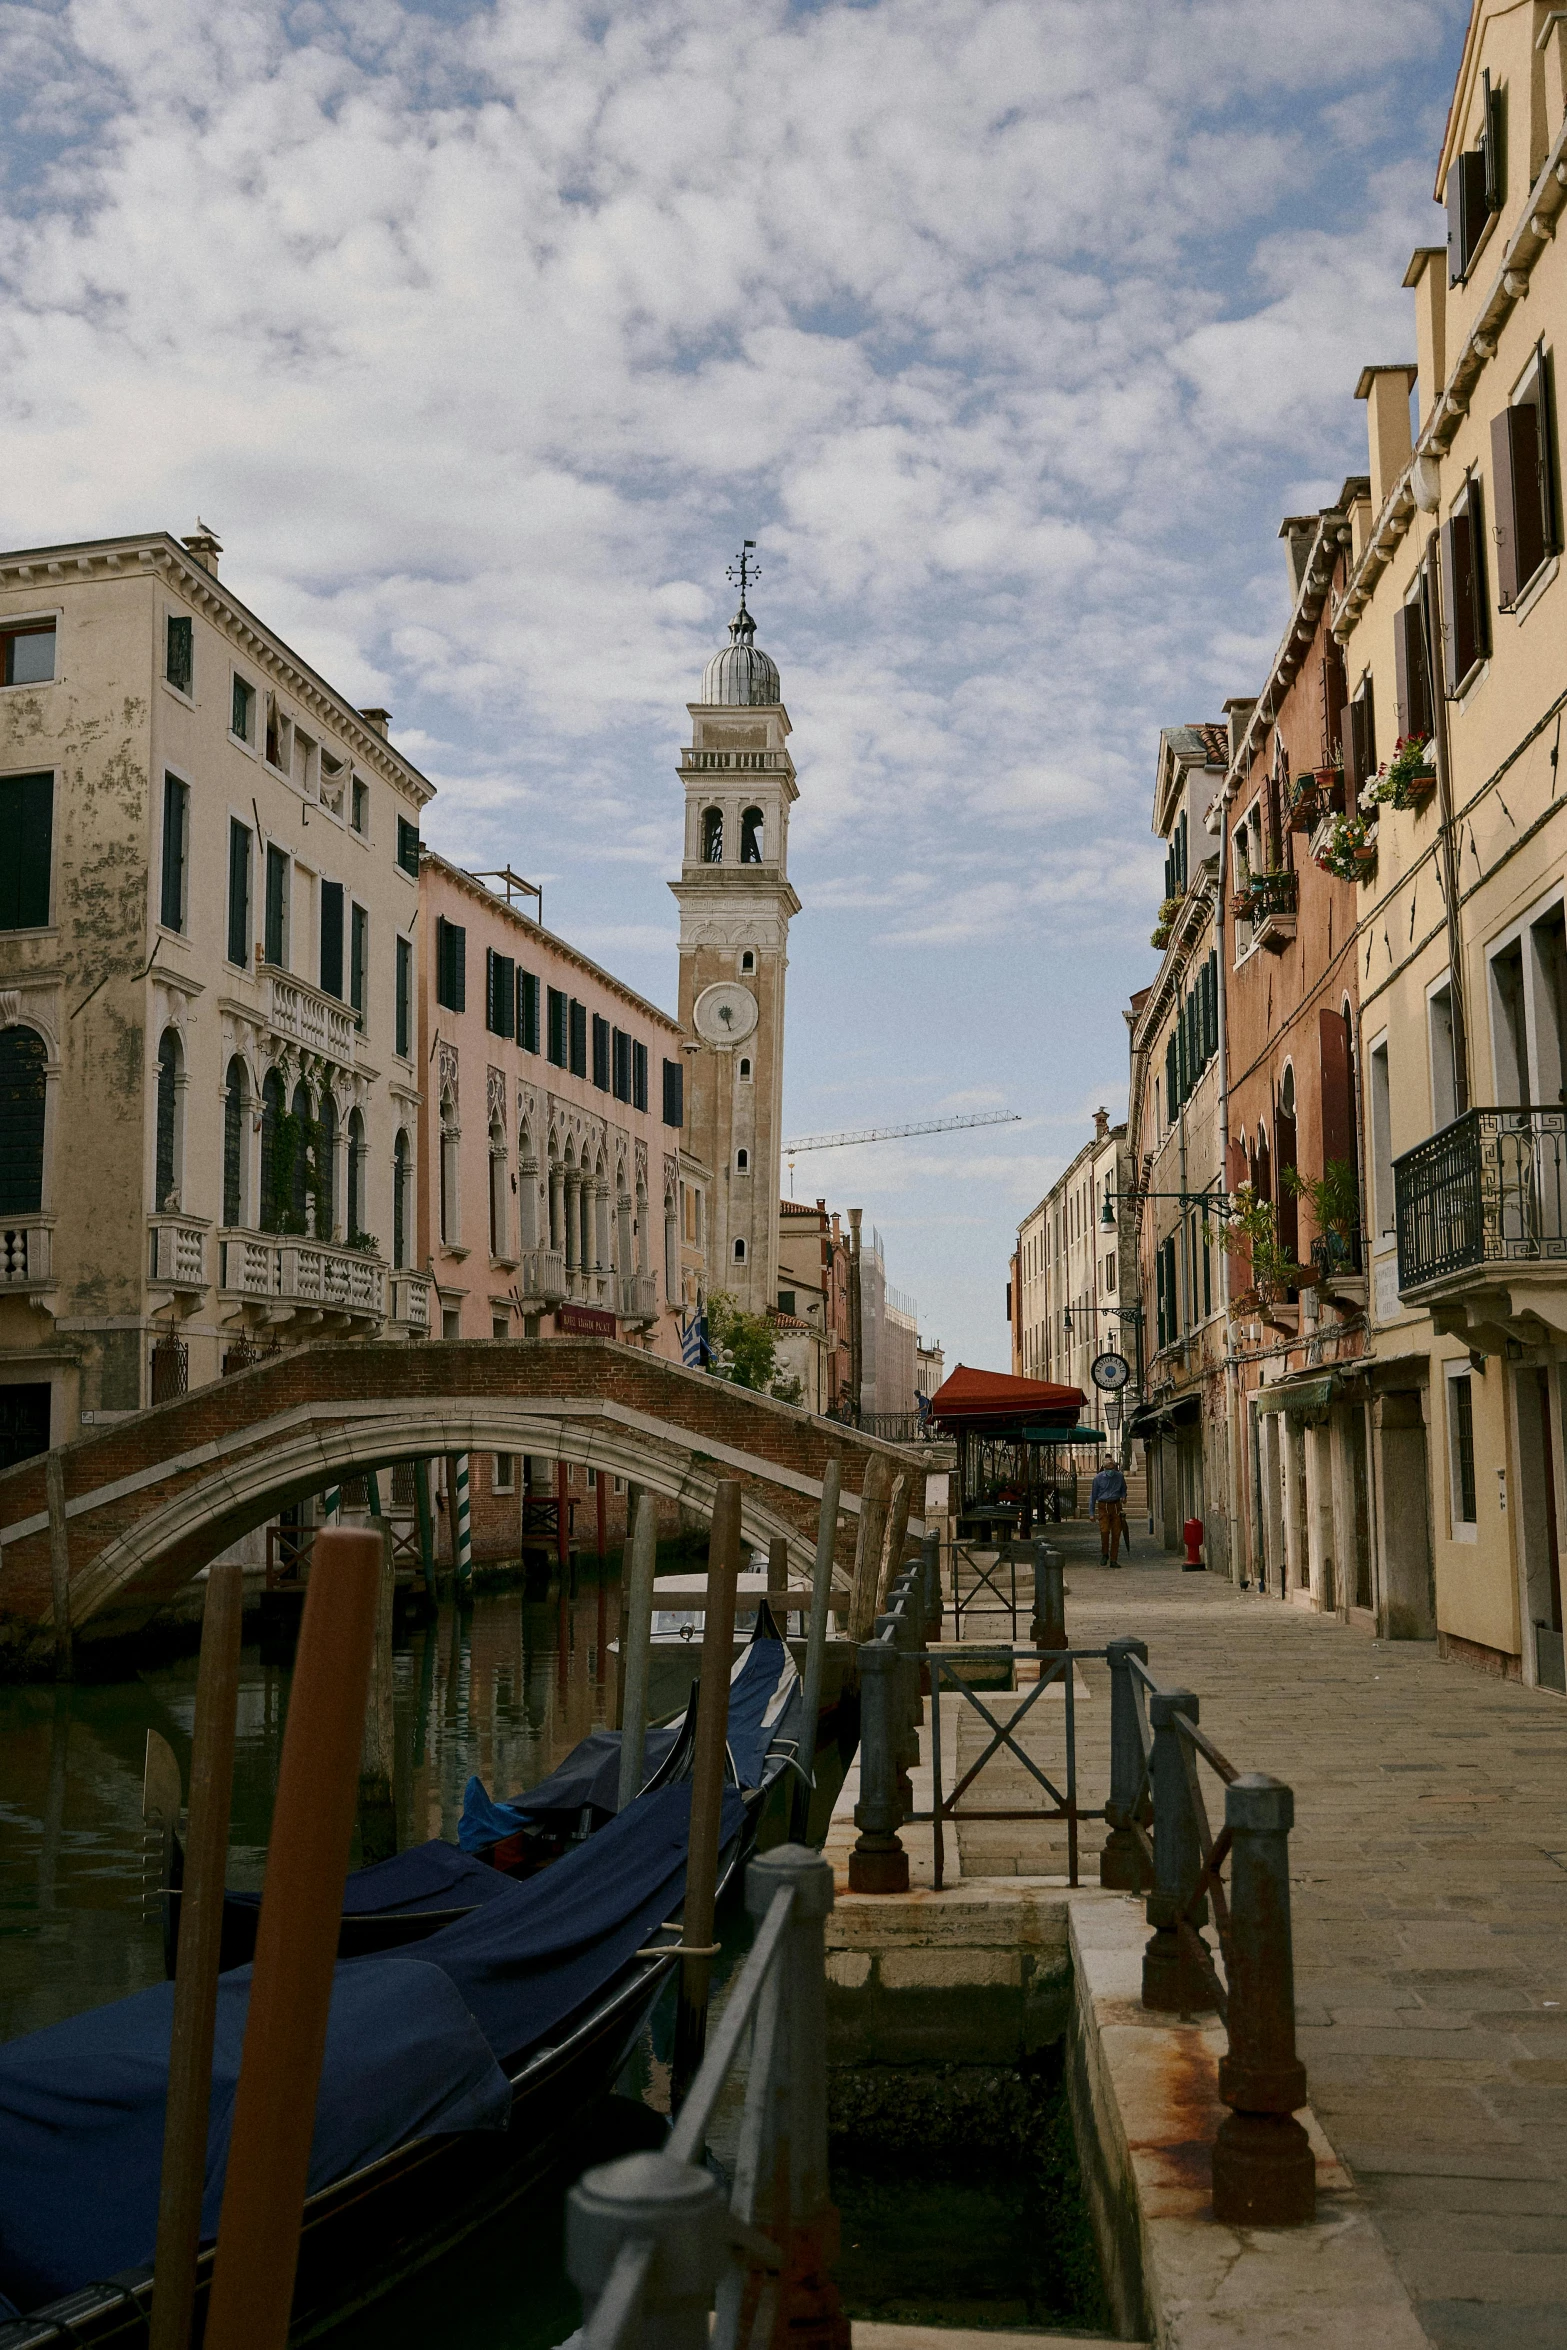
{"x": 674, "y": 1094}
{"x": 358, "y": 960}
{"x": 407, "y": 846}
{"x": 751, "y": 830}
{"x": 178, "y": 652}
{"x": 500, "y": 993}
{"x": 400, "y": 1200}
{"x": 1474, "y": 187}
{"x": 1465, "y": 635}
{"x": 332, "y": 939}
{"x": 620, "y": 1059}
{"x": 405, "y": 989}
{"x": 235, "y": 1095}
{"x": 712, "y": 836}
{"x": 1361, "y": 745}
{"x": 168, "y": 1074}
{"x": 275, "y": 943}
{"x": 23, "y": 1059}
{"x": 601, "y": 1067}
{"x": 176, "y": 806}
{"x": 557, "y": 1044}
{"x": 239, "y": 892}
{"x": 528, "y": 1011}
{"x": 451, "y": 965}
{"x": 27, "y": 655}
{"x": 1461, "y": 1392}
{"x": 579, "y": 1038}
{"x": 639, "y": 1077}
{"x": 27, "y": 827}
{"x": 242, "y": 709}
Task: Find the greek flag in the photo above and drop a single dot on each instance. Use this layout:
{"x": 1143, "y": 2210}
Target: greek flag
{"x": 693, "y": 1342}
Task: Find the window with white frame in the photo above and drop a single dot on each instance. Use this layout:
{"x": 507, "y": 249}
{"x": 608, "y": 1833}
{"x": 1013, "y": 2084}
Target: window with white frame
{"x": 1381, "y": 1140}
{"x": 1463, "y": 1494}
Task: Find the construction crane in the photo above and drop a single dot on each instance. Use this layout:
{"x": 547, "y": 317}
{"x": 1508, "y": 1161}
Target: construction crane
{"x": 830, "y": 1142}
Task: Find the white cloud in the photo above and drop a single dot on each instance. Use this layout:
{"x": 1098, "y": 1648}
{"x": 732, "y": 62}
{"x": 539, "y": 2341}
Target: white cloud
{"x": 483, "y": 334}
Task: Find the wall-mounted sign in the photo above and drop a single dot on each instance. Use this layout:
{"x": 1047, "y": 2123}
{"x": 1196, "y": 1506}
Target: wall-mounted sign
{"x": 585, "y": 1321}
{"x": 1110, "y": 1372}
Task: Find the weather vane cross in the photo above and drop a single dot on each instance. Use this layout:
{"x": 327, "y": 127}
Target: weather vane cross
{"x": 746, "y": 569}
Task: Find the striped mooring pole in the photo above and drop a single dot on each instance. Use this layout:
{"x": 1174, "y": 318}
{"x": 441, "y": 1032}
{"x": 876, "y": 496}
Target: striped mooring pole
{"x": 464, "y": 1535}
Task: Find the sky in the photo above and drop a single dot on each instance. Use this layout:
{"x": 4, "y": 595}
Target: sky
{"x": 483, "y": 334}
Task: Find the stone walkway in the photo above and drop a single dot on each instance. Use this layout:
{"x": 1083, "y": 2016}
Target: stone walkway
{"x": 1429, "y": 1886}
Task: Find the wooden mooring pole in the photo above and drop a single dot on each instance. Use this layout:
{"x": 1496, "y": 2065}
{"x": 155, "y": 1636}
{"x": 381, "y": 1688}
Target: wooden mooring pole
{"x": 377, "y": 1803}
{"x": 816, "y": 1644}
{"x": 296, "y": 1950}
{"x": 196, "y": 1970}
{"x": 707, "y": 1786}
{"x": 636, "y": 1647}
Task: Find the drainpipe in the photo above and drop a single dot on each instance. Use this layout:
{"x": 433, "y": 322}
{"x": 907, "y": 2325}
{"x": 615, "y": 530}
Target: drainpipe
{"x": 1436, "y": 670}
{"x": 1232, "y": 1467}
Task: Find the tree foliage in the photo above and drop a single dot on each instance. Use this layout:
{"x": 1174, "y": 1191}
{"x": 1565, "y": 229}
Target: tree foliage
{"x": 744, "y": 1350}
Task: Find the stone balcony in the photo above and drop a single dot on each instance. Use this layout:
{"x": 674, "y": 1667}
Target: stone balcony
{"x": 177, "y": 1255}
{"x": 541, "y": 1278}
{"x": 636, "y": 1297}
{"x": 411, "y": 1303}
{"x": 318, "y": 1022}
{"x": 26, "y": 1255}
{"x": 287, "y": 1277}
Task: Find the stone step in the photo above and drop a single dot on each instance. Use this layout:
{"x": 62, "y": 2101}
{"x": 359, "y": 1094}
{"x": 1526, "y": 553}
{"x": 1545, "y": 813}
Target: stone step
{"x": 869, "y": 2336}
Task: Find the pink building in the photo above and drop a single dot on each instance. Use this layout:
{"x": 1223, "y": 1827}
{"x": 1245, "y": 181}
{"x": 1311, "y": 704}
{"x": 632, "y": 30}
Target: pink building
{"x": 550, "y": 1140}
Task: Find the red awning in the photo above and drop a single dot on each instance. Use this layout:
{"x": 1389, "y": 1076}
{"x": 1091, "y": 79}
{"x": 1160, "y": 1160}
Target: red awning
{"x": 971, "y": 1396}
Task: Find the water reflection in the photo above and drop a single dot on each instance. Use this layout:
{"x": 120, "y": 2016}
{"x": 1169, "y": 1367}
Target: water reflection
{"x": 505, "y": 1688}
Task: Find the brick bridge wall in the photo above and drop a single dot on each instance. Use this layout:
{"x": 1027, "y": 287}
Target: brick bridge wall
{"x": 151, "y": 1500}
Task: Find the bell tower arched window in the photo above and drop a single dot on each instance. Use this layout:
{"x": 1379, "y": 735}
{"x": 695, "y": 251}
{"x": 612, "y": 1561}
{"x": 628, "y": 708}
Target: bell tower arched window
{"x": 751, "y": 831}
{"x": 166, "y": 1177}
{"x": 23, "y": 1056}
{"x": 712, "y": 836}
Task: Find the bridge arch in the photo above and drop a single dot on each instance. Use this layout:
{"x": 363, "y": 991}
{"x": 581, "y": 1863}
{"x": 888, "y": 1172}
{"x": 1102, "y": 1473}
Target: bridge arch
{"x": 149, "y": 1502}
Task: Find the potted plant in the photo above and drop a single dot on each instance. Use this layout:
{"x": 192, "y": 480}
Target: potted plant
{"x": 1333, "y": 1198}
{"x": 1165, "y": 924}
{"x": 1348, "y": 848}
{"x": 1409, "y": 776}
{"x": 1253, "y": 1230}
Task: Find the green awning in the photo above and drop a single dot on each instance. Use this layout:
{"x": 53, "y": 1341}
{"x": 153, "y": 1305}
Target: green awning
{"x": 1063, "y": 1436}
{"x": 1296, "y": 1396}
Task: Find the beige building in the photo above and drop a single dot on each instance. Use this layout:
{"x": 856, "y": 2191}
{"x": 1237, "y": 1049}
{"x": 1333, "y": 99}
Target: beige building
{"x": 1075, "y": 1283}
{"x": 207, "y": 1016}
{"x": 1451, "y": 623}
{"x": 735, "y": 908}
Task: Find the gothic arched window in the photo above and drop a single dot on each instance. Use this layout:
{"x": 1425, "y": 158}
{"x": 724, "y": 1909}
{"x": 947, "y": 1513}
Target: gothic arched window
{"x": 236, "y": 1099}
{"x": 449, "y": 1224}
{"x": 712, "y": 836}
{"x": 326, "y": 1187}
{"x": 357, "y": 1209}
{"x": 272, "y": 1113}
{"x": 302, "y": 1117}
{"x": 23, "y": 1055}
{"x": 400, "y": 1200}
{"x": 751, "y": 837}
{"x": 498, "y": 1216}
{"x": 166, "y": 1177}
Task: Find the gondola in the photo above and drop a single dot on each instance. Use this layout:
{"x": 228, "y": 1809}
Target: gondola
{"x": 458, "y": 2073}
{"x": 406, "y": 1899}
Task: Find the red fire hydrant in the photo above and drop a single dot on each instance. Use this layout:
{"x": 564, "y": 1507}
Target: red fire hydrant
{"x": 1191, "y": 1535}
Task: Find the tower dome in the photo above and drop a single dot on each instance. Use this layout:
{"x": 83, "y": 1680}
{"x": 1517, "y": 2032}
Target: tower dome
{"x": 742, "y": 675}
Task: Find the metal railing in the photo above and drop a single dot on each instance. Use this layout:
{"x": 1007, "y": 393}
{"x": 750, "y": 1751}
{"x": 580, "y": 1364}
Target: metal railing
{"x": 653, "y": 2244}
{"x": 1160, "y": 1843}
{"x": 1491, "y": 1188}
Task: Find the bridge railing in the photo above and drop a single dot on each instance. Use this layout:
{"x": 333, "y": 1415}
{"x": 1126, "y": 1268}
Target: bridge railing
{"x": 660, "y": 2250}
{"x": 1160, "y": 1843}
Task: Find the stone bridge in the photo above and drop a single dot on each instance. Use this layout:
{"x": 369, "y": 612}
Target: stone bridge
{"x": 146, "y": 1503}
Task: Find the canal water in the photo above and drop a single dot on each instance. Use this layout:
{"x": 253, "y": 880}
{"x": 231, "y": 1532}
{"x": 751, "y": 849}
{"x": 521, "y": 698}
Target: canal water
{"x": 503, "y": 1689}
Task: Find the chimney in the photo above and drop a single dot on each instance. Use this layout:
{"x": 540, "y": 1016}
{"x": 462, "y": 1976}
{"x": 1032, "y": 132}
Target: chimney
{"x": 380, "y": 721}
{"x": 1427, "y": 274}
{"x": 1386, "y": 391}
{"x": 1238, "y": 710}
{"x": 1101, "y": 1125}
{"x": 203, "y": 546}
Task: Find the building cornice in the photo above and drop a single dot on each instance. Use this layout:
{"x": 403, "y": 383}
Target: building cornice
{"x": 1196, "y": 912}
{"x": 1332, "y": 535}
{"x": 1418, "y": 487}
{"x": 160, "y": 553}
{"x": 430, "y": 860}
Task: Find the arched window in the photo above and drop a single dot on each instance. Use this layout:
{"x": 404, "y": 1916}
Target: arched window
{"x": 326, "y": 1172}
{"x": 400, "y": 1200}
{"x": 23, "y": 1056}
{"x": 739, "y": 1252}
{"x": 712, "y": 836}
{"x": 272, "y": 1184}
{"x": 358, "y": 1211}
{"x": 745, "y": 1068}
{"x": 302, "y": 1117}
{"x": 236, "y": 1101}
{"x": 498, "y": 1216}
{"x": 449, "y": 1225}
{"x": 671, "y": 1245}
{"x": 165, "y": 1188}
{"x": 751, "y": 837}
{"x": 742, "y": 1162}
{"x": 527, "y": 1191}
{"x": 1284, "y": 1137}
{"x": 748, "y": 961}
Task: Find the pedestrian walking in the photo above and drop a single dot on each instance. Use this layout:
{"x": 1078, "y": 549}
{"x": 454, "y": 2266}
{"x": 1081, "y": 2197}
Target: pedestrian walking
{"x": 1107, "y": 1500}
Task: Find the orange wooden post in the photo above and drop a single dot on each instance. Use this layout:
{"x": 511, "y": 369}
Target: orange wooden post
{"x": 296, "y": 1950}
{"x": 196, "y": 1971}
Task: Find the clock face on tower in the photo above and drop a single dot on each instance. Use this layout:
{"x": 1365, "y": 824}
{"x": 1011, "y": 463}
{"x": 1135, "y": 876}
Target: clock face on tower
{"x": 725, "y": 1013}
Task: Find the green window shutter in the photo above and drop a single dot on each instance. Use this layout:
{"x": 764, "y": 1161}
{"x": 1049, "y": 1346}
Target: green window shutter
{"x": 451, "y": 965}
{"x": 172, "y": 909}
{"x": 408, "y": 845}
{"x": 405, "y": 957}
{"x": 27, "y": 815}
{"x": 358, "y": 958}
{"x": 177, "y": 663}
{"x": 528, "y": 1011}
{"x": 639, "y": 1077}
{"x": 239, "y": 893}
{"x": 601, "y": 1053}
{"x": 557, "y": 1052}
{"x": 500, "y": 993}
{"x": 674, "y": 1094}
{"x": 579, "y": 1038}
{"x": 620, "y": 1056}
{"x": 1171, "y": 1105}
{"x": 277, "y": 904}
{"x": 22, "y": 1059}
{"x": 332, "y": 939}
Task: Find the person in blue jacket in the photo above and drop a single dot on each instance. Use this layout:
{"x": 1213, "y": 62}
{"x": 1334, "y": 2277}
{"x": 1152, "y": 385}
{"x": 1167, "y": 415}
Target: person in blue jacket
{"x": 1107, "y": 1499}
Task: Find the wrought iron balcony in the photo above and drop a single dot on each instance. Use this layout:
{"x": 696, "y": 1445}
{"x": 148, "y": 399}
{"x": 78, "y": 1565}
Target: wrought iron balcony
{"x": 1490, "y": 1190}
{"x": 1274, "y": 899}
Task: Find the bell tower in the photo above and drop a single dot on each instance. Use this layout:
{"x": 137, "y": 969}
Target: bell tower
{"x": 735, "y": 904}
